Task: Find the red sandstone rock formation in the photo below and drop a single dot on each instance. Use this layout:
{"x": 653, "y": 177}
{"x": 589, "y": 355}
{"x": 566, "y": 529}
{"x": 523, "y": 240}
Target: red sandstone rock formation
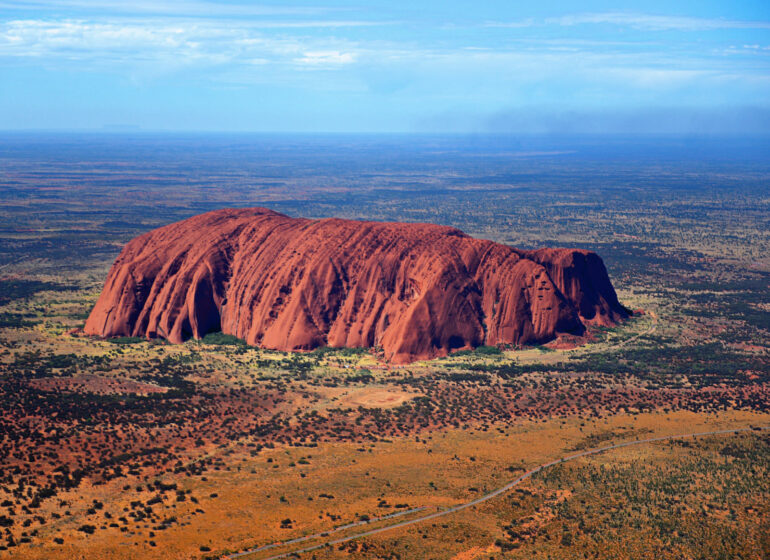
{"x": 415, "y": 290}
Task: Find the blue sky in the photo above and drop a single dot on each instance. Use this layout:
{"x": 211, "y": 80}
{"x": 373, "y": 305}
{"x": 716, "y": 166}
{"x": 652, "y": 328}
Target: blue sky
{"x": 387, "y": 66}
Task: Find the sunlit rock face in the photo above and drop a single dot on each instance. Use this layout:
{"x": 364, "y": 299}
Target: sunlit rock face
{"x": 415, "y": 290}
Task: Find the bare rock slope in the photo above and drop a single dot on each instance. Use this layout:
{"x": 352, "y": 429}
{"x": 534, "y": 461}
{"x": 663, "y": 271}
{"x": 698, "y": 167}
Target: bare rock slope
{"x": 415, "y": 290}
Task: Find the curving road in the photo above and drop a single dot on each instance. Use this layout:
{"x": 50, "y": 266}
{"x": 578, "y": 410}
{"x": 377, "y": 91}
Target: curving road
{"x": 472, "y": 503}
{"x": 324, "y": 534}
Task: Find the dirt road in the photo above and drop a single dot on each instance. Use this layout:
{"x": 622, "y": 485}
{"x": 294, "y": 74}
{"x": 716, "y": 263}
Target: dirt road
{"x": 459, "y": 507}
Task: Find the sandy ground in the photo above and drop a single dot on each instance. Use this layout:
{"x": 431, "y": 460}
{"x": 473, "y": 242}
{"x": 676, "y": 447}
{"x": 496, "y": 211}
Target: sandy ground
{"x": 369, "y": 397}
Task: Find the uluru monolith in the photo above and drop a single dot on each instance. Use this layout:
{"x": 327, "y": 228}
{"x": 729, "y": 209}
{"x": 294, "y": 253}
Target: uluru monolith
{"x": 415, "y": 290}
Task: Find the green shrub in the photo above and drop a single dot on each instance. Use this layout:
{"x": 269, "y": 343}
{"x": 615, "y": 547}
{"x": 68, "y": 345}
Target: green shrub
{"x": 222, "y": 339}
{"x": 126, "y": 340}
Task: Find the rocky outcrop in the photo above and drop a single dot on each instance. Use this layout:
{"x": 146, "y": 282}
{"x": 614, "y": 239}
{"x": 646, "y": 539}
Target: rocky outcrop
{"x": 415, "y": 290}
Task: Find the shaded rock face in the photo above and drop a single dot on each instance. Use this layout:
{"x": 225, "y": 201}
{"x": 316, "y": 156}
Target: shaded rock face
{"x": 415, "y": 290}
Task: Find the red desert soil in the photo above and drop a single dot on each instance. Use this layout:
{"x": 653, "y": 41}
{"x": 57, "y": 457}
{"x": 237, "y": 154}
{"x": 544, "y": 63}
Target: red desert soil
{"x": 417, "y": 291}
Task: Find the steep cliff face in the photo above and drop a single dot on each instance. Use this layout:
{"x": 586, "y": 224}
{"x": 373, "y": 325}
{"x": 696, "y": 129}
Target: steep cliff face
{"x": 416, "y": 290}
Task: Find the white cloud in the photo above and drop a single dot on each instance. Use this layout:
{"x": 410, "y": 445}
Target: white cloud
{"x": 657, "y": 22}
{"x": 175, "y": 43}
{"x": 529, "y": 22}
{"x": 72, "y": 39}
{"x": 317, "y": 58}
{"x": 232, "y": 50}
{"x": 657, "y": 78}
{"x": 176, "y": 8}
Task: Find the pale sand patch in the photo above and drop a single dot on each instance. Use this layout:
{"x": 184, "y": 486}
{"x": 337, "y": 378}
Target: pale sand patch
{"x": 475, "y": 552}
{"x": 376, "y": 397}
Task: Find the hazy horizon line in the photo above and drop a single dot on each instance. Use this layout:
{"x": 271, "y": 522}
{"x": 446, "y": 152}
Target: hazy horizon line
{"x": 128, "y": 131}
